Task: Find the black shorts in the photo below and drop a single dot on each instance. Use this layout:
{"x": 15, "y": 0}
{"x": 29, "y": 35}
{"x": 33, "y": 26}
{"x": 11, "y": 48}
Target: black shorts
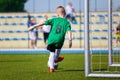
{"x": 52, "y": 48}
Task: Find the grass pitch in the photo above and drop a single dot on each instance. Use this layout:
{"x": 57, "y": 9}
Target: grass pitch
{"x": 34, "y": 67}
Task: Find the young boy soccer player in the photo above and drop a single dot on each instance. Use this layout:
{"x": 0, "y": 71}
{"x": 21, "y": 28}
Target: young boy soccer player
{"x": 59, "y": 27}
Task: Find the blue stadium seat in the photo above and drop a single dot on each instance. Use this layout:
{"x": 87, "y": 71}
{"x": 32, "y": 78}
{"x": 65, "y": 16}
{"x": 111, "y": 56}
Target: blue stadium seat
{"x": 23, "y": 16}
{"x": 90, "y": 22}
{"x": 9, "y": 17}
{"x": 95, "y": 38}
{"x": 17, "y": 17}
{"x": 39, "y": 38}
{"x": 74, "y": 22}
{"x": 105, "y": 22}
{"x": 79, "y": 38}
{"x": 10, "y": 31}
{"x": 14, "y": 24}
{"x": 105, "y": 30}
{"x": 106, "y": 15}
{"x": 104, "y": 38}
{"x": 91, "y": 30}
{"x": 54, "y": 16}
{"x": 96, "y": 30}
{"x": 101, "y": 18}
{"x": 32, "y": 16}
{"x": 81, "y": 22}
{"x": 73, "y": 30}
{"x": 18, "y": 31}
{"x": 115, "y": 15}
{"x": 114, "y": 22}
{"x": 23, "y": 38}
{"x": 77, "y": 16}
{"x": 100, "y": 15}
{"x": 25, "y": 31}
{"x": 2, "y": 17}
{"x": 3, "y": 31}
{"x": 15, "y": 39}
{"x": 6, "y": 24}
{"x": 1, "y": 39}
{"x": 92, "y": 15}
{"x": 98, "y": 23}
{"x": 7, "y": 39}
{"x": 21, "y": 24}
{"x": 39, "y": 16}
{"x": 81, "y": 30}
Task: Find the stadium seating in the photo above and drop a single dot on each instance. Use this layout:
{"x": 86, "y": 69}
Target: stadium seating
{"x": 13, "y": 28}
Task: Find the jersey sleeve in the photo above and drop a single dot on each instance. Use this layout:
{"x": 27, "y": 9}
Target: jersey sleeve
{"x": 49, "y": 22}
{"x": 68, "y": 28}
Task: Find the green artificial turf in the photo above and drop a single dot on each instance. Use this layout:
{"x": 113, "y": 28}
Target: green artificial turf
{"x": 34, "y": 67}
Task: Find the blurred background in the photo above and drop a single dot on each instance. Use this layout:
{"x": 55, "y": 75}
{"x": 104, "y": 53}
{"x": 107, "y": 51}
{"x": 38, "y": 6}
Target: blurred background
{"x": 50, "y": 5}
{"x": 14, "y": 17}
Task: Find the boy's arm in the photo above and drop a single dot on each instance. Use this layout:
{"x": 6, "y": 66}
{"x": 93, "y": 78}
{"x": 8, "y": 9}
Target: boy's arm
{"x": 37, "y": 25}
{"x": 70, "y": 38}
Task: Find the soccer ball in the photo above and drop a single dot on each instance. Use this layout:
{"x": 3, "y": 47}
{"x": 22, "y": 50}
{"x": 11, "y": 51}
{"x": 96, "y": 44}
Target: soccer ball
{"x": 56, "y": 66}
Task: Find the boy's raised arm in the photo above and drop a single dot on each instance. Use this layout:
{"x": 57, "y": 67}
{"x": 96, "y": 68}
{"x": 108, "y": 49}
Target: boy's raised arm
{"x": 37, "y": 25}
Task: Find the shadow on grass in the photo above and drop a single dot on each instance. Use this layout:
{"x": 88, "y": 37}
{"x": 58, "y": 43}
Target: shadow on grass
{"x": 15, "y": 61}
{"x": 72, "y": 70}
{"x": 80, "y": 70}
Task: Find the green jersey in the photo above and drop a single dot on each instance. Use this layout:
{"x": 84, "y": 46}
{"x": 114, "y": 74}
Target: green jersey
{"x": 59, "y": 27}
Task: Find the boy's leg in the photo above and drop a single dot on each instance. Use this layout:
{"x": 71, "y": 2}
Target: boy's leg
{"x": 57, "y": 53}
{"x": 51, "y": 60}
{"x": 51, "y": 48}
{"x": 57, "y": 57}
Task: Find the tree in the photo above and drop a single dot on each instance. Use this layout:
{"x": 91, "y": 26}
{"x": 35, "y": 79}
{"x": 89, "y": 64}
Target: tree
{"x": 12, "y": 5}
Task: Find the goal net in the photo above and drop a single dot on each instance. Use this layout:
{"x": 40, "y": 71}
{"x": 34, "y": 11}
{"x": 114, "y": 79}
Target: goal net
{"x": 102, "y": 53}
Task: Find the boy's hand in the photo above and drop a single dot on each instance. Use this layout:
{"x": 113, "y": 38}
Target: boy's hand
{"x": 35, "y": 26}
{"x": 30, "y": 28}
{"x": 70, "y": 43}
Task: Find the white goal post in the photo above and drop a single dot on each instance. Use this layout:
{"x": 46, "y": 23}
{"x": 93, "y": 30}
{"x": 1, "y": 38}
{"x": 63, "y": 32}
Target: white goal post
{"x": 88, "y": 73}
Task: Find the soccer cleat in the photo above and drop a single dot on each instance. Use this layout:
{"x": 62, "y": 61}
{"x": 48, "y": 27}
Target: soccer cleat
{"x": 51, "y": 70}
{"x": 59, "y": 59}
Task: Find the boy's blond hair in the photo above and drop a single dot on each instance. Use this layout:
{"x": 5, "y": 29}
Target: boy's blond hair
{"x": 62, "y": 10}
